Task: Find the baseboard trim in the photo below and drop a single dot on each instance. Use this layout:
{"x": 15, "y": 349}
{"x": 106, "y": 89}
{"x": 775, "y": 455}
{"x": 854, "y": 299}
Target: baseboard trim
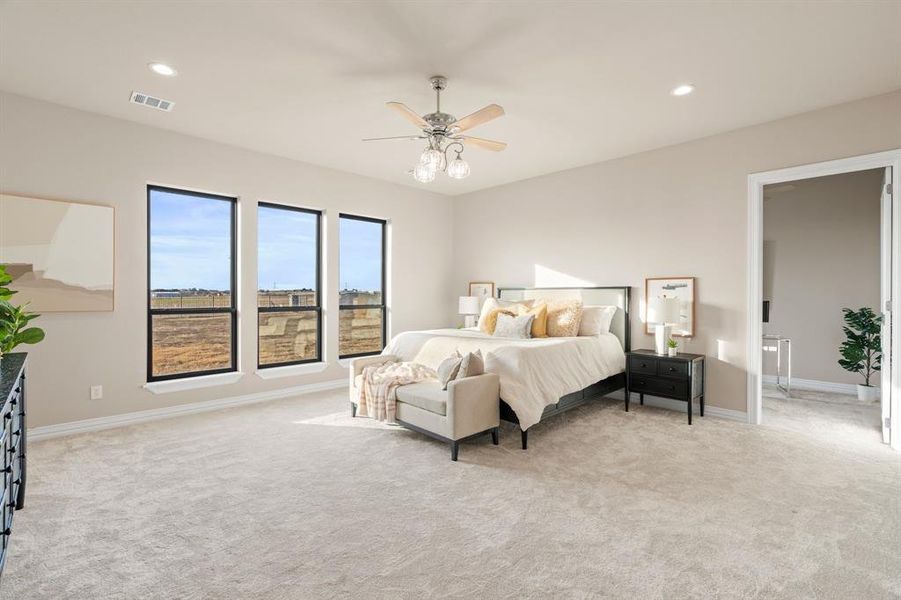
{"x": 679, "y": 406}
{"x": 113, "y": 421}
{"x": 816, "y": 386}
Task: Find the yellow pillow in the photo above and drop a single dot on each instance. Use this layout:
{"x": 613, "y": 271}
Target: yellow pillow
{"x": 491, "y": 319}
{"x": 564, "y": 318}
{"x": 539, "y": 323}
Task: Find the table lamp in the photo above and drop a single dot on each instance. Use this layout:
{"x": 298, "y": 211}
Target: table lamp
{"x": 469, "y": 307}
{"x": 664, "y": 313}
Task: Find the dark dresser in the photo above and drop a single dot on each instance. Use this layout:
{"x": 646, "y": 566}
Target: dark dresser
{"x": 679, "y": 377}
{"x": 12, "y": 444}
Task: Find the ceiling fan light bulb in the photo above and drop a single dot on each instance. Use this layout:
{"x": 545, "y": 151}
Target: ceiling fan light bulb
{"x": 458, "y": 168}
{"x": 423, "y": 174}
{"x": 431, "y": 157}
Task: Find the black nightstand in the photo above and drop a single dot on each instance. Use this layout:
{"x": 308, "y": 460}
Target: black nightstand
{"x": 679, "y": 377}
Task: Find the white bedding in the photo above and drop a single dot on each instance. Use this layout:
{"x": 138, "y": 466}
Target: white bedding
{"x": 534, "y": 373}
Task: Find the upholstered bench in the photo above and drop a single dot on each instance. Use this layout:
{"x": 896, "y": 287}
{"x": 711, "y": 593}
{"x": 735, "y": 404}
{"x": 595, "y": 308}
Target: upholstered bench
{"x": 469, "y": 407}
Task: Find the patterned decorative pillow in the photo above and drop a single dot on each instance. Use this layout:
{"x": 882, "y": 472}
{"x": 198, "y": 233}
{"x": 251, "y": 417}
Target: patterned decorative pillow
{"x": 472, "y": 365}
{"x": 491, "y": 319}
{"x": 514, "y": 327}
{"x": 564, "y": 318}
{"x": 448, "y": 369}
{"x": 539, "y": 325}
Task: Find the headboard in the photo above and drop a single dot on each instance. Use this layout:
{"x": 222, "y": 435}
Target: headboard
{"x": 606, "y": 296}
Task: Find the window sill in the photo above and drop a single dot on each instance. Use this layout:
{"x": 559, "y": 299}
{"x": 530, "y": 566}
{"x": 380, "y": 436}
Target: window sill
{"x": 291, "y": 370}
{"x": 345, "y": 362}
{"x": 192, "y": 383}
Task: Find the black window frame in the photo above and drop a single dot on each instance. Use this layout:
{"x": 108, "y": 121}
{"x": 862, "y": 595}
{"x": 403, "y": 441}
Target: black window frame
{"x": 231, "y": 310}
{"x": 317, "y": 308}
{"x": 384, "y": 305}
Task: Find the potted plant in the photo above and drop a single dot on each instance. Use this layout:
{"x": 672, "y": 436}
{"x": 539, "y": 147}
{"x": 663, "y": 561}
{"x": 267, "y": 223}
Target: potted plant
{"x": 862, "y": 350}
{"x": 14, "y": 319}
{"x": 672, "y": 347}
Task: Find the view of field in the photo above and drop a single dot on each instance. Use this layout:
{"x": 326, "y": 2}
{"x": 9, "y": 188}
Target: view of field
{"x": 287, "y": 336}
{"x": 190, "y": 343}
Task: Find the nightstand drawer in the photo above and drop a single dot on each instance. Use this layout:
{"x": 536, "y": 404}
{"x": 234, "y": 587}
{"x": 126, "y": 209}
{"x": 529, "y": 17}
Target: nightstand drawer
{"x": 660, "y": 386}
{"x": 672, "y": 368}
{"x": 643, "y": 364}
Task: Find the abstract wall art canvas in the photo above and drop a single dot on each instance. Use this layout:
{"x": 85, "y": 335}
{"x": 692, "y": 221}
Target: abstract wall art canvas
{"x": 682, "y": 288}
{"x": 59, "y": 254}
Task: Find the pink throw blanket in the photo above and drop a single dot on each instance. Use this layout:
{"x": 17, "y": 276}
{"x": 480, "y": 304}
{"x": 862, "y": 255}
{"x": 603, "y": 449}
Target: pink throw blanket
{"x": 376, "y": 397}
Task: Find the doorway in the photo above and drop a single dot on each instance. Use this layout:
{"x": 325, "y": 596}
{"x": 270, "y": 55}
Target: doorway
{"x": 821, "y": 256}
{"x": 885, "y": 239}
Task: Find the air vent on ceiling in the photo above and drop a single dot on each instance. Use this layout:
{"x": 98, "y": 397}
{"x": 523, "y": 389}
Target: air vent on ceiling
{"x": 152, "y": 101}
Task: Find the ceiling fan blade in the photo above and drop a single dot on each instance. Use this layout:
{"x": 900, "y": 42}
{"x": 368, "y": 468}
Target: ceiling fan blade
{"x": 407, "y": 113}
{"x": 483, "y": 144}
{"x": 483, "y": 115}
{"x": 396, "y": 137}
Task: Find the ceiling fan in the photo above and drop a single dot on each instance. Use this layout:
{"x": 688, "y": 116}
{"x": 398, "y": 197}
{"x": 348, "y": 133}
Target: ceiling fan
{"x": 443, "y": 132}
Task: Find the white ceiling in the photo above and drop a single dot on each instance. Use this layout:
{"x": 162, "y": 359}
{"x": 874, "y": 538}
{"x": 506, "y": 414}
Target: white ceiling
{"x": 581, "y": 82}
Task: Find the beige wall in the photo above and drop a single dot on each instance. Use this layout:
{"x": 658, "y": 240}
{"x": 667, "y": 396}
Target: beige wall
{"x": 680, "y": 210}
{"x": 821, "y": 253}
{"x": 56, "y": 152}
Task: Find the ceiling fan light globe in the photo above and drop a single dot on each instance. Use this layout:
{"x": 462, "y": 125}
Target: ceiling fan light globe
{"x": 430, "y": 157}
{"x": 423, "y": 174}
{"x": 458, "y": 169}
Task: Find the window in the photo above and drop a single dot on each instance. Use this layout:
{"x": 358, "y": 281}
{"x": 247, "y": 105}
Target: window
{"x": 289, "y": 316}
{"x": 361, "y": 322}
{"x": 191, "y": 321}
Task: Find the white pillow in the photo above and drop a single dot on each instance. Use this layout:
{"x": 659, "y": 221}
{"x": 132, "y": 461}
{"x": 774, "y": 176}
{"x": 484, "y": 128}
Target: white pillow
{"x": 514, "y": 327}
{"x": 473, "y": 364}
{"x": 492, "y": 303}
{"x": 448, "y": 369}
{"x": 596, "y": 319}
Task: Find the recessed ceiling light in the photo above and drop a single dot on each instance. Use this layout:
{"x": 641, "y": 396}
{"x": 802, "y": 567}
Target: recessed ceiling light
{"x": 683, "y": 90}
{"x": 162, "y": 69}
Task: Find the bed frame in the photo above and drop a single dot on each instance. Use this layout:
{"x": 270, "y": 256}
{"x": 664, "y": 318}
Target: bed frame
{"x": 610, "y": 296}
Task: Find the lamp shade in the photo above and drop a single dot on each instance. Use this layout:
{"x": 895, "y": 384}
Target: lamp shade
{"x": 469, "y": 305}
{"x": 663, "y": 310}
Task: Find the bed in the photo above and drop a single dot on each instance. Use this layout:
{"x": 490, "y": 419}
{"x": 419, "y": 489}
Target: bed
{"x": 539, "y": 378}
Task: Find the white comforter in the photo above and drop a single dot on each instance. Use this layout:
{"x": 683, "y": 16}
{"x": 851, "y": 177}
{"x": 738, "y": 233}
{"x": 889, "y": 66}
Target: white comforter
{"x": 534, "y": 373}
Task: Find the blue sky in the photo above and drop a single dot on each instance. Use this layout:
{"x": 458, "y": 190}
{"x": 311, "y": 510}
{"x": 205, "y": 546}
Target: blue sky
{"x": 361, "y": 255}
{"x": 287, "y": 249}
{"x": 189, "y": 244}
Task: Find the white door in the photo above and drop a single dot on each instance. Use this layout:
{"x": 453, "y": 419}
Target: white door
{"x": 887, "y": 306}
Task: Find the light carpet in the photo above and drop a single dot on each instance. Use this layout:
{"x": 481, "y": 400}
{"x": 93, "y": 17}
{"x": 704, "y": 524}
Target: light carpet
{"x": 293, "y": 499}
{"x": 841, "y": 417}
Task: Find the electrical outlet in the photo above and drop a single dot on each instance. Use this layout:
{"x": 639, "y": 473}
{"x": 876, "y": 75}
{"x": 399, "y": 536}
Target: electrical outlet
{"x": 96, "y": 392}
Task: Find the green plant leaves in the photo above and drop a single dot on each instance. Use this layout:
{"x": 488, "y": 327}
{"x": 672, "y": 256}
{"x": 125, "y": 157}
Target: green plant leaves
{"x": 862, "y": 350}
{"x": 32, "y": 335}
{"x": 14, "y": 319}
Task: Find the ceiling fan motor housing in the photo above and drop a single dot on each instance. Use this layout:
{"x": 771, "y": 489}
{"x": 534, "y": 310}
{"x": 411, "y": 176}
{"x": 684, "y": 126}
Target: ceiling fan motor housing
{"x": 439, "y": 121}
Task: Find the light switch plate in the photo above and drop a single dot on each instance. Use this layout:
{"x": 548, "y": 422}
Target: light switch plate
{"x": 96, "y": 392}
